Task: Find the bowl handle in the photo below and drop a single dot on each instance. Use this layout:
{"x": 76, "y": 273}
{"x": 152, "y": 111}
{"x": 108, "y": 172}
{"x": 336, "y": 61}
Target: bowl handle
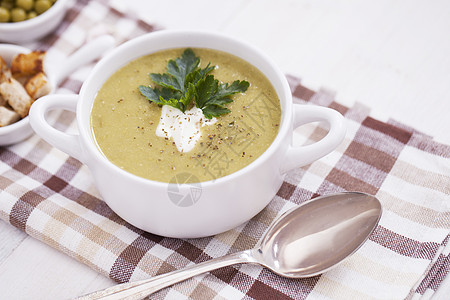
{"x": 68, "y": 143}
{"x": 303, "y": 155}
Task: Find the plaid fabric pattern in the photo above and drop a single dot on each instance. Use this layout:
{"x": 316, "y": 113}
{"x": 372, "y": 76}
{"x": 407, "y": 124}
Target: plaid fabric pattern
{"x": 51, "y": 196}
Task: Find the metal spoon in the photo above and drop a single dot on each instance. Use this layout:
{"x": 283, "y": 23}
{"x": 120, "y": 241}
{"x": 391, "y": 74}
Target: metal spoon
{"x": 305, "y": 241}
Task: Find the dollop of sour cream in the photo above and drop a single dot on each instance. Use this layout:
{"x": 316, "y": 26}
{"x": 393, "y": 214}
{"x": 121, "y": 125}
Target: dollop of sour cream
{"x": 183, "y": 128}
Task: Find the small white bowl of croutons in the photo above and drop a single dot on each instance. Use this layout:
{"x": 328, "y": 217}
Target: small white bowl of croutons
{"x": 25, "y": 77}
{"x": 20, "y": 70}
{"x": 28, "y": 20}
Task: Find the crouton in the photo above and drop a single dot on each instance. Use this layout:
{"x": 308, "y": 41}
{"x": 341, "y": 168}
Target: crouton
{"x": 28, "y": 64}
{"x": 38, "y": 86}
{"x": 22, "y": 79}
{"x": 5, "y": 71}
{"x": 16, "y": 96}
{"x": 8, "y": 116}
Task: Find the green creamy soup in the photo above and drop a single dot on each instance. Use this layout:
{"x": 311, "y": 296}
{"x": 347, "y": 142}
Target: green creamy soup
{"x": 124, "y": 122}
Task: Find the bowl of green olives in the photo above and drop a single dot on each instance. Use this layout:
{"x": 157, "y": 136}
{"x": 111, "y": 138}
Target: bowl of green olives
{"x": 28, "y": 20}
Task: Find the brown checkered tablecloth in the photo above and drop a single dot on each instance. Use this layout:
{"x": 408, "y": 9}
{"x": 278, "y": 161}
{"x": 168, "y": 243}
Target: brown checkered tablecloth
{"x": 51, "y": 197}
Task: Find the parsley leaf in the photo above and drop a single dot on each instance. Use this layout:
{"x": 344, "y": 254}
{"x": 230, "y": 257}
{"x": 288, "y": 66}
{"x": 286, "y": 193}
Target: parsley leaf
{"x": 211, "y": 96}
{"x": 185, "y": 81}
{"x": 177, "y": 71}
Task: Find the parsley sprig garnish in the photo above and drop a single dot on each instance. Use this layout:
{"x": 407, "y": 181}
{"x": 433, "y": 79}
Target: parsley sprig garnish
{"x": 185, "y": 81}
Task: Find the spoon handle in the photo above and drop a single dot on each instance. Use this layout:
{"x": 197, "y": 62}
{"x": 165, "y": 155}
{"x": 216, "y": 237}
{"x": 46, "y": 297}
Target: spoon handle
{"x": 143, "y": 288}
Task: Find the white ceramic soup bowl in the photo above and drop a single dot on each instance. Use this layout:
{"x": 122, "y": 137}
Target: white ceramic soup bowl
{"x": 188, "y": 210}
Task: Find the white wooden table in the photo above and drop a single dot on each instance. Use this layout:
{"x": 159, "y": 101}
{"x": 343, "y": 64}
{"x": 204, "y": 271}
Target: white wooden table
{"x": 392, "y": 56}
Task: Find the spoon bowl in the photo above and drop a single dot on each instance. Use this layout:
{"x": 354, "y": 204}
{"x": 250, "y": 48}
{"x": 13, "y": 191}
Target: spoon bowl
{"x": 300, "y": 242}
{"x": 305, "y": 241}
{"x": 56, "y": 72}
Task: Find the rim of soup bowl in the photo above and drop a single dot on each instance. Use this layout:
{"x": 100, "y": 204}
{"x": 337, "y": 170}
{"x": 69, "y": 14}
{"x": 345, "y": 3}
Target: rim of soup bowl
{"x": 84, "y": 112}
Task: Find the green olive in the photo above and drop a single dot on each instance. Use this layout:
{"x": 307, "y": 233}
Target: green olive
{"x": 4, "y": 15}
{"x": 41, "y": 6}
{"x": 18, "y": 14}
{"x": 7, "y": 5}
{"x": 25, "y": 4}
{"x": 31, "y": 15}
{"x": 20, "y": 10}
